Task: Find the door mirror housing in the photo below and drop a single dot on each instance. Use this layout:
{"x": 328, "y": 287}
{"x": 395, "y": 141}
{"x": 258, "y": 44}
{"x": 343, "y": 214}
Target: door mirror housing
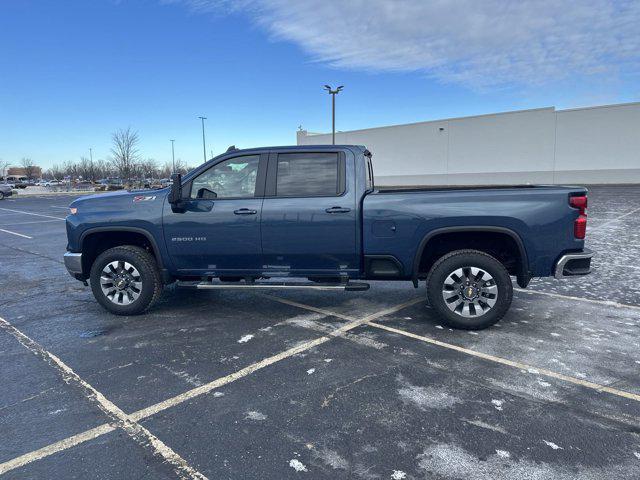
{"x": 175, "y": 196}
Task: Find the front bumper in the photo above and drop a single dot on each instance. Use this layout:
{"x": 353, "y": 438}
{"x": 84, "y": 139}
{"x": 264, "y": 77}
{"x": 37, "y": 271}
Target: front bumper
{"x": 573, "y": 264}
{"x": 73, "y": 262}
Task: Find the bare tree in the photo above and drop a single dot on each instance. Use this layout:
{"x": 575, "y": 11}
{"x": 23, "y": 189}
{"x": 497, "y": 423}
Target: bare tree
{"x": 165, "y": 171}
{"x": 55, "y": 172}
{"x": 28, "y": 166}
{"x": 124, "y": 152}
{"x": 103, "y": 169}
{"x": 87, "y": 169}
{"x": 3, "y": 167}
{"x": 149, "y": 168}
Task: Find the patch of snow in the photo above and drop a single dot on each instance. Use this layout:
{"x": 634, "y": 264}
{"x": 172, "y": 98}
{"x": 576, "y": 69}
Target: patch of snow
{"x": 497, "y": 404}
{"x": 398, "y": 475}
{"x": 310, "y": 371}
{"x": 503, "y": 453}
{"x": 427, "y": 397}
{"x": 253, "y": 415}
{"x": 297, "y": 465}
{"x": 245, "y": 338}
{"x": 553, "y": 445}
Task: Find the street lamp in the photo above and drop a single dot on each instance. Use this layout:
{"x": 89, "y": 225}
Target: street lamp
{"x": 333, "y": 94}
{"x": 204, "y": 145}
{"x": 173, "y": 157}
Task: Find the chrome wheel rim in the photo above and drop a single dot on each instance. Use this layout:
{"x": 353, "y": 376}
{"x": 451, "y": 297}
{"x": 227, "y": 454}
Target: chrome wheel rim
{"x": 470, "y": 292}
{"x": 121, "y": 282}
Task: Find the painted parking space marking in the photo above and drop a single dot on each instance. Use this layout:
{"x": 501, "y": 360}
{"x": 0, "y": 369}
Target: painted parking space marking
{"x": 56, "y": 447}
{"x": 135, "y": 417}
{"x": 15, "y": 233}
{"x": 511, "y": 363}
{"x": 608, "y": 222}
{"x": 503, "y": 361}
{"x": 137, "y": 432}
{"x": 29, "y": 223}
{"x": 31, "y": 213}
{"x": 606, "y": 303}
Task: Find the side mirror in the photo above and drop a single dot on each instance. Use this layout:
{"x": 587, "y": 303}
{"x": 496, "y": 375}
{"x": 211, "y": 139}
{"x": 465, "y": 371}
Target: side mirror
{"x": 175, "y": 196}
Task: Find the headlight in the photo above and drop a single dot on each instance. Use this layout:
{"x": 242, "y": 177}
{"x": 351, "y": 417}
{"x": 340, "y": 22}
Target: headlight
{"x": 73, "y": 210}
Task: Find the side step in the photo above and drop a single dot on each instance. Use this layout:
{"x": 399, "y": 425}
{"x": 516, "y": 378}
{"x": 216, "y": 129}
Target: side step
{"x": 349, "y": 286}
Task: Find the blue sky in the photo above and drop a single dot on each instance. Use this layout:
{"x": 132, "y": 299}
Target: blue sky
{"x": 73, "y": 71}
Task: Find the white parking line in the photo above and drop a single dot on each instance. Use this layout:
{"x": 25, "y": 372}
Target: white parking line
{"x": 608, "y": 222}
{"x": 29, "y": 223}
{"x": 203, "y": 389}
{"x": 30, "y": 213}
{"x": 504, "y": 361}
{"x": 15, "y": 233}
{"x": 136, "y": 431}
{"x": 607, "y": 303}
{"x": 521, "y": 366}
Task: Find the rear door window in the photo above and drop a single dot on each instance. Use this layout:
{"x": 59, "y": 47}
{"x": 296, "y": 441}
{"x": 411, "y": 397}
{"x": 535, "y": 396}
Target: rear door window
{"x": 309, "y": 175}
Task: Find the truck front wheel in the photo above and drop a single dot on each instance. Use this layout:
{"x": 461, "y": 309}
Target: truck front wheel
{"x": 469, "y": 289}
{"x": 125, "y": 280}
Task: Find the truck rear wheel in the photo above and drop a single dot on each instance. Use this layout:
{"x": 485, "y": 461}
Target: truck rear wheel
{"x": 125, "y": 280}
{"x": 469, "y": 289}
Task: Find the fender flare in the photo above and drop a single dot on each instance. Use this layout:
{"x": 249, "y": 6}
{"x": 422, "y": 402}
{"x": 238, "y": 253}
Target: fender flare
{"x": 523, "y": 275}
{"x": 142, "y": 231}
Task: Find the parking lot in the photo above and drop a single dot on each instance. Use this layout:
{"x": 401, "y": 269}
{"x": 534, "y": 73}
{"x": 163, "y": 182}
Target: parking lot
{"x": 317, "y": 384}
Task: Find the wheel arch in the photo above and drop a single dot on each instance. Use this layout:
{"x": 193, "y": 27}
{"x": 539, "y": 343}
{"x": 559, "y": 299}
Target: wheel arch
{"x": 523, "y": 275}
{"x": 118, "y": 234}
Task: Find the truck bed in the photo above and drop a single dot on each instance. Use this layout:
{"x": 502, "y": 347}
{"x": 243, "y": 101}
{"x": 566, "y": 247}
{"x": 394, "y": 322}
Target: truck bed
{"x": 423, "y": 188}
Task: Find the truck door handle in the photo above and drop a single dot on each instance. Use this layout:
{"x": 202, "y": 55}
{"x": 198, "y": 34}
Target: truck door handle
{"x": 337, "y": 210}
{"x": 245, "y": 211}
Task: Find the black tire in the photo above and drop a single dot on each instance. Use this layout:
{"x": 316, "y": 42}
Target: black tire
{"x": 150, "y": 278}
{"x": 464, "y": 259}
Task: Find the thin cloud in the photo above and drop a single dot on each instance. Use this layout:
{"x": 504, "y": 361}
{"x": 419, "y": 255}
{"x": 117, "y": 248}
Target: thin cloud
{"x": 480, "y": 44}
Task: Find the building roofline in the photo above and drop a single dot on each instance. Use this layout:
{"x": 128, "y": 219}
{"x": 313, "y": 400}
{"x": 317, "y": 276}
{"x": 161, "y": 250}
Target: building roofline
{"x": 312, "y": 134}
{"x": 593, "y": 107}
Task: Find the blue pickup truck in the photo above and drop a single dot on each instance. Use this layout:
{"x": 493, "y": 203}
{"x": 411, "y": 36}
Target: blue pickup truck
{"x": 311, "y": 217}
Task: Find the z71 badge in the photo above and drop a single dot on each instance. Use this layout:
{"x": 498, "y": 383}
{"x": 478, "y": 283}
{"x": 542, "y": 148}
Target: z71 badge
{"x": 144, "y": 198}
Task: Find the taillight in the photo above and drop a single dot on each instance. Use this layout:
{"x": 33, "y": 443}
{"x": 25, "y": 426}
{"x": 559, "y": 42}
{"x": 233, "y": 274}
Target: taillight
{"x": 580, "y": 224}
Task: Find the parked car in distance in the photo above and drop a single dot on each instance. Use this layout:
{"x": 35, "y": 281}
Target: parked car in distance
{"x": 17, "y": 181}
{"x": 5, "y": 191}
{"x": 312, "y": 212}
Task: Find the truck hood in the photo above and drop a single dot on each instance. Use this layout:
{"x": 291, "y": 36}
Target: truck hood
{"x": 119, "y": 199}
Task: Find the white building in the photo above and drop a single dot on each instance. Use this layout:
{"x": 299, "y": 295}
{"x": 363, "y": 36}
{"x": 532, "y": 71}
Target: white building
{"x": 585, "y": 146}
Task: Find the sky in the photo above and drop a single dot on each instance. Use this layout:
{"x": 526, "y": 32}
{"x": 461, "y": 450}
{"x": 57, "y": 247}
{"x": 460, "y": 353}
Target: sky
{"x": 74, "y": 71}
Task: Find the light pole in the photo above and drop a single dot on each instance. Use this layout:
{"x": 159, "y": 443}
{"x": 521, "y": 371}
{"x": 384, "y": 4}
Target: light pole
{"x": 333, "y": 94}
{"x": 173, "y": 157}
{"x": 91, "y": 154}
{"x": 204, "y": 144}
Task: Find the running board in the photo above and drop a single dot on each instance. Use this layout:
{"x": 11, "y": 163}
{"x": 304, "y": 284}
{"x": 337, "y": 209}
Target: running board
{"x": 349, "y": 287}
